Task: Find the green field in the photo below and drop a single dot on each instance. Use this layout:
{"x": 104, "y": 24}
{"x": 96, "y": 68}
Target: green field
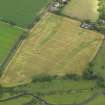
{"x": 58, "y": 91}
{"x": 82, "y": 9}
{"x": 18, "y": 101}
{"x": 98, "y": 64}
{"x": 8, "y": 36}
{"x": 21, "y": 12}
{"x": 100, "y": 100}
{"x": 73, "y": 98}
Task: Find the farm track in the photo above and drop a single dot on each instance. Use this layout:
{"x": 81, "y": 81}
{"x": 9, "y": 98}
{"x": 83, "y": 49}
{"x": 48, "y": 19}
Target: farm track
{"x": 24, "y": 94}
{"x": 44, "y": 102}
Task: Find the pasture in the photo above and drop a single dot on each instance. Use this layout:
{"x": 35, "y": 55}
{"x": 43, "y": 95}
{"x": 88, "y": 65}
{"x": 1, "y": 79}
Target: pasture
{"x": 18, "y": 101}
{"x": 68, "y": 98}
{"x": 8, "y": 36}
{"x": 21, "y": 12}
{"x": 58, "y": 91}
{"x": 55, "y": 46}
{"x": 100, "y": 100}
{"x": 82, "y": 9}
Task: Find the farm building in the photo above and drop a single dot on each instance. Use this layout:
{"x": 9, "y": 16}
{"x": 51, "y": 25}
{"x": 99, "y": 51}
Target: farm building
{"x": 87, "y": 25}
{"x": 102, "y": 21}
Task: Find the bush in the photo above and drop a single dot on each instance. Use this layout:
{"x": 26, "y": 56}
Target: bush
{"x": 43, "y": 78}
{"x": 101, "y": 82}
{"x": 89, "y": 74}
{"x": 72, "y": 77}
{"x": 102, "y": 9}
{"x": 100, "y": 28}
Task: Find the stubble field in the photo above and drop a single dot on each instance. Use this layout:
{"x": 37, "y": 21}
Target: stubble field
{"x": 82, "y": 9}
{"x": 55, "y": 46}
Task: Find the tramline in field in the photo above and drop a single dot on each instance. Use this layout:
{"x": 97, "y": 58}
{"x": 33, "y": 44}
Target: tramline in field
{"x": 53, "y": 49}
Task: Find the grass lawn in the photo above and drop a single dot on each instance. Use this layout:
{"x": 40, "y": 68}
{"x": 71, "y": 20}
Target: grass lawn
{"x": 22, "y": 12}
{"x": 8, "y": 36}
{"x": 55, "y": 46}
{"x": 82, "y": 9}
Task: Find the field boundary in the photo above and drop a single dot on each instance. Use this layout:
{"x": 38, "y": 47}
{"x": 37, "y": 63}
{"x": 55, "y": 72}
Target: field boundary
{"x": 39, "y": 16}
{"x": 96, "y": 53}
{"x": 20, "y": 39}
{"x": 19, "y": 46}
{"x": 42, "y": 101}
{"x": 11, "y": 52}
